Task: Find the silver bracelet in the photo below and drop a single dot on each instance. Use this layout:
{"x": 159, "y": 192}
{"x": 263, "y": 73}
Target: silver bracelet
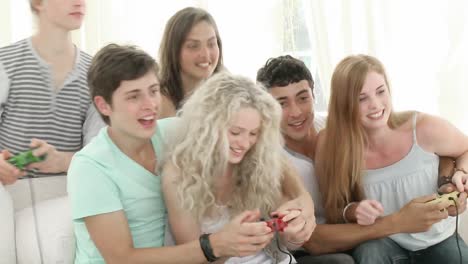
{"x": 344, "y": 211}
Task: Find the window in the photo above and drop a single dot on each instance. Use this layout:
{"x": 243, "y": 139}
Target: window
{"x": 297, "y": 42}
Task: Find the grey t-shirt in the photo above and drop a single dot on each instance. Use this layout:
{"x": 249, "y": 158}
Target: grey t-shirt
{"x": 93, "y": 121}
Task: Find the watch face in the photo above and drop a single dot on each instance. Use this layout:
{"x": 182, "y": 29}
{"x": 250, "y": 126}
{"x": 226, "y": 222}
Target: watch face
{"x": 444, "y": 180}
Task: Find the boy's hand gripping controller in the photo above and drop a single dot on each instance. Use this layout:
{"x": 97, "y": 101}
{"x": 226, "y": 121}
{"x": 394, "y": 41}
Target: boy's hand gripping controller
{"x": 22, "y": 159}
{"x": 453, "y": 196}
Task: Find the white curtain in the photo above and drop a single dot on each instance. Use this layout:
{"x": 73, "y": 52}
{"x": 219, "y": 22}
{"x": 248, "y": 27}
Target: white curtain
{"x": 16, "y": 21}
{"x": 421, "y": 43}
{"x": 249, "y": 36}
{"x": 137, "y": 22}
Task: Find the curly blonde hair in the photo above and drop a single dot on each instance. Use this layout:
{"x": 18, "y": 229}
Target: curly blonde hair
{"x": 201, "y": 150}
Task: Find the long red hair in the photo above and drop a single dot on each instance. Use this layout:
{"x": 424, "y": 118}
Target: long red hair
{"x": 340, "y": 162}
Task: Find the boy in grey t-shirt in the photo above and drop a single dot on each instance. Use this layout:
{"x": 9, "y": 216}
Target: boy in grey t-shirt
{"x": 291, "y": 83}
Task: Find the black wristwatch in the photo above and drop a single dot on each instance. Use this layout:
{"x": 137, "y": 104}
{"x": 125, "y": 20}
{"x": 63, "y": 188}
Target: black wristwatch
{"x": 206, "y": 248}
{"x": 444, "y": 180}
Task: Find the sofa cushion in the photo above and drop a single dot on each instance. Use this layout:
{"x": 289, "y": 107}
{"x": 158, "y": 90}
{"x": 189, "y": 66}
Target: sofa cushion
{"x": 463, "y": 226}
{"x": 55, "y": 230}
{"x": 23, "y": 190}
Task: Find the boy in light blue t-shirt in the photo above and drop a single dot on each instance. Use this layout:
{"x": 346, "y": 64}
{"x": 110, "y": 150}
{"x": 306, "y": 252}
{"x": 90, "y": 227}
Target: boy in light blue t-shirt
{"x": 118, "y": 211}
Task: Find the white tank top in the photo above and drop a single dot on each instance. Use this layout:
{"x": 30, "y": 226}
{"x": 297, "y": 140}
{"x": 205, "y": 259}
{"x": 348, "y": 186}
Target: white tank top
{"x": 395, "y": 185}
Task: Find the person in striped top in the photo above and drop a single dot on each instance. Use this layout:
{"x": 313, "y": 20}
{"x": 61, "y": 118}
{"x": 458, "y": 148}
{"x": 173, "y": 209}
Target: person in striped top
{"x": 44, "y": 97}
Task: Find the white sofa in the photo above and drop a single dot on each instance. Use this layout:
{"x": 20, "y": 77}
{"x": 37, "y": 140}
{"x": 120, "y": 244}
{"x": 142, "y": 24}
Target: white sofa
{"x": 18, "y": 240}
{"x": 463, "y": 226}
{"x": 51, "y": 220}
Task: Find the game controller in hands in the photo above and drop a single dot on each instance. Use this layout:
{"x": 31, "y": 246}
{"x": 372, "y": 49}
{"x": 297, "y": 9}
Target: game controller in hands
{"x": 22, "y": 159}
{"x": 453, "y": 196}
{"x": 276, "y": 224}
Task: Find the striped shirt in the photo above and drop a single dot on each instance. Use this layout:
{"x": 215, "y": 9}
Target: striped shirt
{"x": 32, "y": 108}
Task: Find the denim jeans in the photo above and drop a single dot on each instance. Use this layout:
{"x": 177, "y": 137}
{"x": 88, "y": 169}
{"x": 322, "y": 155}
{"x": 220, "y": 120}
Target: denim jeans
{"x": 386, "y": 251}
{"x": 337, "y": 258}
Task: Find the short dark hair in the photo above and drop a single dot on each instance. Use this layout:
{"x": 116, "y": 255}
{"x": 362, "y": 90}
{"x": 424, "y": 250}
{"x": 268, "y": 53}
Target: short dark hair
{"x": 114, "y": 64}
{"x": 32, "y": 4}
{"x": 282, "y": 71}
{"x": 175, "y": 33}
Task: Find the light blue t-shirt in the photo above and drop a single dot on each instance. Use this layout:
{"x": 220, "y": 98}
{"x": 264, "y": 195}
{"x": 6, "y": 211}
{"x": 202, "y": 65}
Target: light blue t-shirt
{"x": 102, "y": 179}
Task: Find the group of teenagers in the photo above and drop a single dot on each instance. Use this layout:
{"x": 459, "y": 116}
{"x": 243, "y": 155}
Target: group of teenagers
{"x": 184, "y": 162}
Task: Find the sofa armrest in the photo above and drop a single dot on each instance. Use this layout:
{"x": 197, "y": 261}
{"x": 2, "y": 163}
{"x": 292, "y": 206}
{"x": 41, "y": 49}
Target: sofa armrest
{"x": 7, "y": 227}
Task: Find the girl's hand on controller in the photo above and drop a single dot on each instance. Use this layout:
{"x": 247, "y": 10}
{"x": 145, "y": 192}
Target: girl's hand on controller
{"x": 297, "y": 232}
{"x": 367, "y": 211}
